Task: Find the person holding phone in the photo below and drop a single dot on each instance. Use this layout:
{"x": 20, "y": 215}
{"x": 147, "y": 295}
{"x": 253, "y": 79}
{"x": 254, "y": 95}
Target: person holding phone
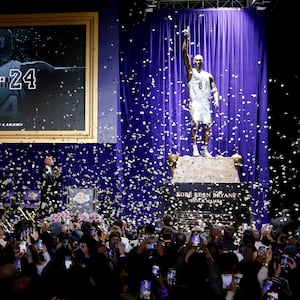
{"x": 124, "y": 240}
{"x": 232, "y": 288}
{"x": 201, "y": 271}
{"x": 116, "y": 248}
{"x": 147, "y": 261}
{"x": 39, "y": 257}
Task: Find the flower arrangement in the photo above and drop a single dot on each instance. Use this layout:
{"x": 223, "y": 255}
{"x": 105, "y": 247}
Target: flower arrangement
{"x": 79, "y": 217}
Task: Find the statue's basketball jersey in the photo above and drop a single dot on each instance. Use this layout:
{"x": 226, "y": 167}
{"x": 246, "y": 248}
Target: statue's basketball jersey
{"x": 199, "y": 92}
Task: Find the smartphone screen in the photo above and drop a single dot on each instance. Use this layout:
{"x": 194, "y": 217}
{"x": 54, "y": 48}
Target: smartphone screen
{"x": 237, "y": 278}
{"x": 272, "y": 296}
{"x": 151, "y": 246}
{"x": 145, "y": 289}
{"x": 40, "y": 245}
{"x": 111, "y": 253}
{"x": 196, "y": 240}
{"x": 226, "y": 278}
{"x": 267, "y": 285}
{"x": 171, "y": 277}
{"x": 262, "y": 250}
{"x": 284, "y": 260}
{"x": 24, "y": 234}
{"x": 18, "y": 265}
{"x": 23, "y": 246}
{"x": 68, "y": 262}
{"x": 155, "y": 270}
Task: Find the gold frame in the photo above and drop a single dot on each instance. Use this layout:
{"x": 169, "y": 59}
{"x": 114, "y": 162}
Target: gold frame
{"x": 89, "y": 134}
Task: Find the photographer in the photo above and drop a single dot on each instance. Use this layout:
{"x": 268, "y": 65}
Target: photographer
{"x": 274, "y": 276}
{"x": 118, "y": 262}
{"x": 201, "y": 272}
{"x": 141, "y": 261}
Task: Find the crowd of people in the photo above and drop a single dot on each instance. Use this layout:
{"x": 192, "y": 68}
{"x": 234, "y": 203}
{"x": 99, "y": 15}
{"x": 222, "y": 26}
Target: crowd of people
{"x": 81, "y": 260}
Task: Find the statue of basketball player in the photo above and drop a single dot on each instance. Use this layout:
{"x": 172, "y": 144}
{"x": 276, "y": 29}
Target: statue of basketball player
{"x": 200, "y": 85}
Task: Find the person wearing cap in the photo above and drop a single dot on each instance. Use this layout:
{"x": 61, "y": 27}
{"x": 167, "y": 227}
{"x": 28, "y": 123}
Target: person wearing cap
{"x": 284, "y": 224}
{"x": 200, "y": 86}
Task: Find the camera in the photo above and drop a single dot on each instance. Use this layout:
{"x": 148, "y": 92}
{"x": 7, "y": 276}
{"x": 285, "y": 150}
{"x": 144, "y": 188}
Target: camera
{"x": 151, "y": 245}
{"x": 196, "y": 240}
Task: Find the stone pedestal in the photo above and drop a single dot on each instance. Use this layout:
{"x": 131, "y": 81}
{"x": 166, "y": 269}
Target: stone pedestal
{"x": 206, "y": 188}
{"x": 205, "y": 169}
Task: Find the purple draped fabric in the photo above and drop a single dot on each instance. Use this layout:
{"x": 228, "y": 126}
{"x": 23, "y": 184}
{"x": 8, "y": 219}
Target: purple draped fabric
{"x": 154, "y": 98}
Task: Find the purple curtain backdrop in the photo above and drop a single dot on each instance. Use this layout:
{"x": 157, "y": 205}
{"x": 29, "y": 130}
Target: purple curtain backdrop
{"x": 154, "y": 99}
{"x": 154, "y": 117}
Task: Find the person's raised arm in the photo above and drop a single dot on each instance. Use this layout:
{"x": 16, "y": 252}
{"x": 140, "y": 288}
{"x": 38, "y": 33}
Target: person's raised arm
{"x": 185, "y": 53}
